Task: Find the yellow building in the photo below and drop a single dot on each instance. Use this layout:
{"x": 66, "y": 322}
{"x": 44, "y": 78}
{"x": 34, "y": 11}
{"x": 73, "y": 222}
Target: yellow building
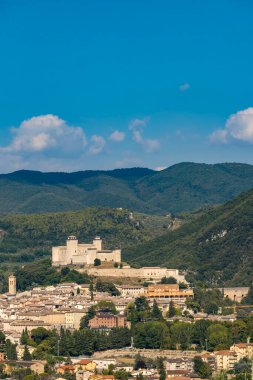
{"x": 169, "y": 291}
{"x": 86, "y": 365}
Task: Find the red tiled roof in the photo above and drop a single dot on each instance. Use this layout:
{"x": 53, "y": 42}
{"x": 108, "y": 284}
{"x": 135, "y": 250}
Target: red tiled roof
{"x": 84, "y": 361}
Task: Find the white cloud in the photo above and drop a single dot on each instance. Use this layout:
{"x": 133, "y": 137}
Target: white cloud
{"x": 43, "y": 142}
{"x": 239, "y": 126}
{"x": 44, "y": 133}
{"x": 184, "y": 87}
{"x": 136, "y": 126}
{"x": 98, "y": 144}
{"x": 117, "y": 136}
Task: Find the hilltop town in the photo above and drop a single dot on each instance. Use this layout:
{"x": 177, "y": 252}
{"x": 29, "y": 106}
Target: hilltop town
{"x": 155, "y": 327}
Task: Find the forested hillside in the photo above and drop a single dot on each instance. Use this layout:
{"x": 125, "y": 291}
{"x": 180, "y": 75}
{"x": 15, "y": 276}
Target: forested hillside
{"x": 216, "y": 247}
{"x": 25, "y": 238}
{"x": 179, "y": 188}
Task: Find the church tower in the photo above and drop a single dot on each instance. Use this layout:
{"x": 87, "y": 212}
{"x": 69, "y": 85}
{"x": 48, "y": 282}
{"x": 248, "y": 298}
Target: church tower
{"x": 12, "y": 285}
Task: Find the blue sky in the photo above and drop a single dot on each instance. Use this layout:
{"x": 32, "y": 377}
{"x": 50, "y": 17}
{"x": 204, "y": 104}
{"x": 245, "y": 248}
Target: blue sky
{"x": 121, "y": 83}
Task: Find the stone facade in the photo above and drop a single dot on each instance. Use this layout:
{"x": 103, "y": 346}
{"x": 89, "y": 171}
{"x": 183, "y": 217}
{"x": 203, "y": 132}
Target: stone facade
{"x": 235, "y": 294}
{"x": 146, "y": 273}
{"x": 74, "y": 253}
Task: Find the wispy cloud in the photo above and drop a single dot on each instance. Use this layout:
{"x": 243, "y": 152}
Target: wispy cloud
{"x": 136, "y": 126}
{"x": 184, "y": 87}
{"x": 117, "y": 136}
{"x": 97, "y": 144}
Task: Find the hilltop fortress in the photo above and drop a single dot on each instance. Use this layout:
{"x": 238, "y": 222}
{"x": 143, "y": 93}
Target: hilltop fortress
{"x": 74, "y": 253}
{"x": 78, "y": 255}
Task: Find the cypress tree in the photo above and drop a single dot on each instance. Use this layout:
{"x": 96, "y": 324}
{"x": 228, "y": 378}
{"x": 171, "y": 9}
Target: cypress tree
{"x": 26, "y": 355}
{"x": 156, "y": 312}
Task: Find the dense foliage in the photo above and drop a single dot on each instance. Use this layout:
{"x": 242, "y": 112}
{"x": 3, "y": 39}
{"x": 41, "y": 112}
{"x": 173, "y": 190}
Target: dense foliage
{"x": 182, "y": 187}
{"x": 42, "y": 273}
{"x": 80, "y": 342}
{"x": 26, "y": 237}
{"x": 182, "y": 335}
{"x": 216, "y": 247}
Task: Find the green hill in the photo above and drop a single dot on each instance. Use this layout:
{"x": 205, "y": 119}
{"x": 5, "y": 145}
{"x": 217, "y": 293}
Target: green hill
{"x": 24, "y": 238}
{"x": 216, "y": 247}
{"x": 182, "y": 187}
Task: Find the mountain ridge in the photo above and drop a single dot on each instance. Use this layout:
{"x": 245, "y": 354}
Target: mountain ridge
{"x": 182, "y": 187}
{"x": 216, "y": 247}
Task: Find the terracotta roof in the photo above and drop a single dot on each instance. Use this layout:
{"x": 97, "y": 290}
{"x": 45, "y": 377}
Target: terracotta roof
{"x": 243, "y": 345}
{"x": 67, "y": 367}
{"x": 84, "y": 361}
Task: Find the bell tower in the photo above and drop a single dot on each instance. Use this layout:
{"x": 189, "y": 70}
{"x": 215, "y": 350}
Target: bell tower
{"x": 12, "y": 285}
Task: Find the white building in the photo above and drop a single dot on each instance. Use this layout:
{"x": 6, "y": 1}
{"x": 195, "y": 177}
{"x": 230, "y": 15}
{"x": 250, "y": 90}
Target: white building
{"x": 74, "y": 253}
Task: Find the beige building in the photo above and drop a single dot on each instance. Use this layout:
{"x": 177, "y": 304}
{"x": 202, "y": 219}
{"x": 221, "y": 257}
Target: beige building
{"x": 73, "y": 318}
{"x": 74, "y": 253}
{"x": 225, "y": 360}
{"x": 131, "y": 290}
{"x": 243, "y": 350}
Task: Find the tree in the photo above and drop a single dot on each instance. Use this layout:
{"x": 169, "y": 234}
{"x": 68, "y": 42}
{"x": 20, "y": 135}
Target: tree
{"x": 109, "y": 287}
{"x": 39, "y": 334}
{"x": 24, "y": 337}
{"x": 202, "y": 368}
{"x": 141, "y": 304}
{"x": 168, "y": 280}
{"x": 221, "y": 375}
{"x": 243, "y": 369}
{"x": 97, "y": 262}
{"x": 151, "y": 335}
{"x": 172, "y": 310}
{"x": 181, "y": 334}
{"x": 212, "y": 308}
{"x": 10, "y": 350}
{"x": 200, "y": 332}
{"x": 162, "y": 374}
{"x": 106, "y": 306}
{"x": 86, "y": 318}
{"x": 121, "y": 374}
{"x": 218, "y": 336}
{"x": 156, "y": 313}
{"x": 91, "y": 289}
{"x": 26, "y": 355}
{"x": 65, "y": 271}
{"x": 139, "y": 362}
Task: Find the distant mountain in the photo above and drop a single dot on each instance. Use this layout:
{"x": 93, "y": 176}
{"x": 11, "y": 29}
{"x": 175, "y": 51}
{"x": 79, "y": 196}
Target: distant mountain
{"x": 216, "y": 247}
{"x": 182, "y": 187}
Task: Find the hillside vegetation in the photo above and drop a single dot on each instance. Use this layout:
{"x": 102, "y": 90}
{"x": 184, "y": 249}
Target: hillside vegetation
{"x": 179, "y": 188}
{"x": 28, "y": 237}
{"x": 216, "y": 247}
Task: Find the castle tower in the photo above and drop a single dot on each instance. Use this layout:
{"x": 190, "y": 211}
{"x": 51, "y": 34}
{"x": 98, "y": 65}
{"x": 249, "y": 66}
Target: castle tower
{"x": 72, "y": 249}
{"x": 97, "y": 242}
{"x": 12, "y": 285}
